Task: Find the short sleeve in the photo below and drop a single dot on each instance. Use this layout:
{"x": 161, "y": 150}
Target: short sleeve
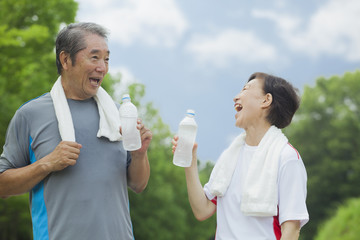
{"x": 209, "y": 196}
{"x": 16, "y": 149}
{"x": 292, "y": 190}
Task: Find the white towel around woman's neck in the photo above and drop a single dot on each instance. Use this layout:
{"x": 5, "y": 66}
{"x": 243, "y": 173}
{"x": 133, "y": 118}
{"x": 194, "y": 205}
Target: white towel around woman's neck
{"x": 109, "y": 115}
{"x": 260, "y": 193}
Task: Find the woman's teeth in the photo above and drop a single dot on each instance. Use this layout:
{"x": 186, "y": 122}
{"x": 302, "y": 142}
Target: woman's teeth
{"x": 238, "y": 108}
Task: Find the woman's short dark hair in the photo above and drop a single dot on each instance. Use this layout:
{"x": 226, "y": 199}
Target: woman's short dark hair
{"x": 285, "y": 99}
{"x": 71, "y": 39}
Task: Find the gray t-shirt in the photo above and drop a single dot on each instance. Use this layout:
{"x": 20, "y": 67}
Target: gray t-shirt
{"x": 86, "y": 201}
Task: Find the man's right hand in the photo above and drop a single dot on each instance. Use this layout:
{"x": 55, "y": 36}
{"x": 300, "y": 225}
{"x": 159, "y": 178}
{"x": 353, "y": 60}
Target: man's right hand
{"x": 20, "y": 180}
{"x": 65, "y": 154}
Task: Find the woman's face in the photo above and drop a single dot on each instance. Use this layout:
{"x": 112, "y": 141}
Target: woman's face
{"x": 248, "y": 104}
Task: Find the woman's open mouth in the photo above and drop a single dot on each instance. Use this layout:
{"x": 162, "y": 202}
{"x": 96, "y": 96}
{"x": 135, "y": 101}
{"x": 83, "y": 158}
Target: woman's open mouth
{"x": 238, "y": 107}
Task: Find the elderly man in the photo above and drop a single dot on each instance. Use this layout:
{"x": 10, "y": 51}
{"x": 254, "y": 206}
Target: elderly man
{"x": 65, "y": 148}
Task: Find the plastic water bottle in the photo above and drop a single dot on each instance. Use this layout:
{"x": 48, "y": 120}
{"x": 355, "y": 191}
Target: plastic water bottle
{"x": 187, "y": 134}
{"x": 128, "y": 117}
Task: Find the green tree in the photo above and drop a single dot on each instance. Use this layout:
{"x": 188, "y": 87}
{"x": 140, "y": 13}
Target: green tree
{"x": 325, "y": 131}
{"x": 27, "y": 40}
{"x": 15, "y": 220}
{"x": 344, "y": 225}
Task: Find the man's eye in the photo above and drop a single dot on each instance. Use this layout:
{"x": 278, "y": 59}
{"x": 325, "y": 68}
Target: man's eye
{"x": 94, "y": 57}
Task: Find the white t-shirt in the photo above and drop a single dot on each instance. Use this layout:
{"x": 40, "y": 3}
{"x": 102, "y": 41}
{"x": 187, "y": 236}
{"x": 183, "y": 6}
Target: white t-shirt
{"x": 292, "y": 178}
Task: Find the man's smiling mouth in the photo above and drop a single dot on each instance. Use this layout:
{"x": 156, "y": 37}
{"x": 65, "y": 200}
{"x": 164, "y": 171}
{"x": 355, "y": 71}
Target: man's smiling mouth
{"x": 95, "y": 82}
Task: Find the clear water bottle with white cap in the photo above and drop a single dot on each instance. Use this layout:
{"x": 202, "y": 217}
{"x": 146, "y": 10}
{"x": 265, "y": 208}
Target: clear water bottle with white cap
{"x": 128, "y": 117}
{"x": 187, "y": 134}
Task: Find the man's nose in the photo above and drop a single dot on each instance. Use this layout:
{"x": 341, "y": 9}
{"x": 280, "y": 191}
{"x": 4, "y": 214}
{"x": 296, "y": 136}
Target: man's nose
{"x": 101, "y": 66}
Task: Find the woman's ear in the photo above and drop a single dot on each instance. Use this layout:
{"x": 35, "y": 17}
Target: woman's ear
{"x": 267, "y": 100}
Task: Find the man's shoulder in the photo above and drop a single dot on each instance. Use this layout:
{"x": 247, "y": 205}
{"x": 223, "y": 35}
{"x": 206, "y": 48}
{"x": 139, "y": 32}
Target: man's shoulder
{"x": 37, "y": 103}
{"x": 37, "y": 107}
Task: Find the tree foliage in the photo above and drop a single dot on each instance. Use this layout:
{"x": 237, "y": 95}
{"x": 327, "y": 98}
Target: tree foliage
{"x": 27, "y": 40}
{"x": 325, "y": 131}
{"x": 344, "y": 225}
{"x": 15, "y": 220}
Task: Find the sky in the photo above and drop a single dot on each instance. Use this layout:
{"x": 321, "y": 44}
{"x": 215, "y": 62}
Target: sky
{"x": 198, "y": 54}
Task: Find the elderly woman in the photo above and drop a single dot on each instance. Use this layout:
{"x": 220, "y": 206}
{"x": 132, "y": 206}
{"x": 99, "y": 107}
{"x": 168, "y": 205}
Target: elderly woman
{"x": 258, "y": 184}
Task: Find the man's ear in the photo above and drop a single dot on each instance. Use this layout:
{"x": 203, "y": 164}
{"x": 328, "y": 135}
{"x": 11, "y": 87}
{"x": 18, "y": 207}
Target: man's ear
{"x": 267, "y": 100}
{"x": 65, "y": 60}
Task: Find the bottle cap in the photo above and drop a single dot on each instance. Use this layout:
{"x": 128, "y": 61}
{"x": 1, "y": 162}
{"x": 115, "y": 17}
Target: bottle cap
{"x": 190, "y": 112}
{"x": 126, "y": 96}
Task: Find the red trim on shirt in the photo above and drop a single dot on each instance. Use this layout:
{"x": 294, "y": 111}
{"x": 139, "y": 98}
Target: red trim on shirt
{"x": 214, "y": 200}
{"x": 298, "y": 155}
{"x": 277, "y": 227}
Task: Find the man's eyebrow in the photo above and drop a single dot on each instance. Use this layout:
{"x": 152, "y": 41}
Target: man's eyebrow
{"x": 94, "y": 51}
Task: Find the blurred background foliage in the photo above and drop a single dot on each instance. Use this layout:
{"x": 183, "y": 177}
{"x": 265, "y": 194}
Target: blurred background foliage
{"x": 325, "y": 130}
{"x": 344, "y": 225}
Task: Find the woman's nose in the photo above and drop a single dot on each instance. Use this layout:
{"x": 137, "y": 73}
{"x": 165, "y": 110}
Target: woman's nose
{"x": 236, "y": 97}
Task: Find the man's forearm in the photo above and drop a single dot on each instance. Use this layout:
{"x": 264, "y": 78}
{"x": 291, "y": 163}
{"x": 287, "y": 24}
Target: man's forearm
{"x": 138, "y": 172}
{"x": 21, "y": 180}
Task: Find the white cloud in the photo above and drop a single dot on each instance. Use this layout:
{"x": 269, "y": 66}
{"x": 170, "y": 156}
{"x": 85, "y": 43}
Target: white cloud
{"x": 332, "y": 30}
{"x": 156, "y": 22}
{"x": 230, "y": 45}
{"x": 285, "y": 23}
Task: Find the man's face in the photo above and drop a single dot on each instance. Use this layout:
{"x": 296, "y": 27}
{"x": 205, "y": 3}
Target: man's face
{"x": 83, "y": 79}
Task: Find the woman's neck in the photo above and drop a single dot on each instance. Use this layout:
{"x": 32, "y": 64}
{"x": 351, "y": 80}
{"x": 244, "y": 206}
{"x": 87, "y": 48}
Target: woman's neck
{"x": 255, "y": 134}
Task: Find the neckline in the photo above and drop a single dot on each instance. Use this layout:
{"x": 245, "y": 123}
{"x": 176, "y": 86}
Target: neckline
{"x": 250, "y": 148}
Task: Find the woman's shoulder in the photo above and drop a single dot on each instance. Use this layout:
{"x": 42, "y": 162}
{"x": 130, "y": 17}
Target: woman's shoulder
{"x": 289, "y": 153}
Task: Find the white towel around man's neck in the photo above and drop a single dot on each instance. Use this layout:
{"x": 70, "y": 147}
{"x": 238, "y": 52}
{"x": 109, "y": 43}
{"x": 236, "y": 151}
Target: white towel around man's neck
{"x": 260, "y": 193}
{"x": 109, "y": 115}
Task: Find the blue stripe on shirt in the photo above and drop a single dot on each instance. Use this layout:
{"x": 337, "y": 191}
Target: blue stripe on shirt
{"x": 38, "y": 208}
